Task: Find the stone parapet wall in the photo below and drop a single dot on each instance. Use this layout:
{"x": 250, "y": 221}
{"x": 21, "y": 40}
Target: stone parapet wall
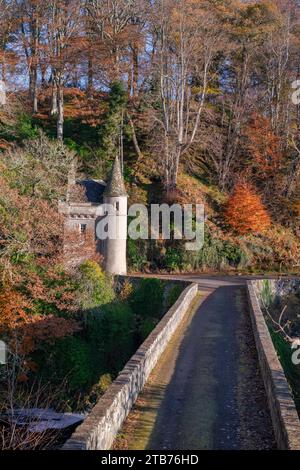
{"x": 101, "y": 426}
{"x": 283, "y": 411}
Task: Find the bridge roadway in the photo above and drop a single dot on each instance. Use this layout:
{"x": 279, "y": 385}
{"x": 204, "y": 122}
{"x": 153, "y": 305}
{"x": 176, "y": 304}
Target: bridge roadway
{"x": 206, "y": 392}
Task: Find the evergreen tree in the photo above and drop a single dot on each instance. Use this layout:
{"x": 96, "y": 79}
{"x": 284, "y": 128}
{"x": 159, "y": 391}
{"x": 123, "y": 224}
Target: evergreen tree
{"x": 109, "y": 133}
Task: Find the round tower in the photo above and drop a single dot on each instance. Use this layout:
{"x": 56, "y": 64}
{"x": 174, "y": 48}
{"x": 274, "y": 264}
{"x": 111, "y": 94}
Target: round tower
{"x": 115, "y": 248}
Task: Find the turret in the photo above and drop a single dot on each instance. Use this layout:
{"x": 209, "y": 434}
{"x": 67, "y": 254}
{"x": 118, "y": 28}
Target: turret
{"x": 115, "y": 194}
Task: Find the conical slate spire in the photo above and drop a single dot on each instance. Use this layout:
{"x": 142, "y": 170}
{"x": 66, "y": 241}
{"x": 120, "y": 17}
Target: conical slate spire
{"x": 115, "y": 186}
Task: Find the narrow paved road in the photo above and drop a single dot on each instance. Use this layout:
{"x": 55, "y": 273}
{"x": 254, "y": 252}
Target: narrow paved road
{"x": 206, "y": 392}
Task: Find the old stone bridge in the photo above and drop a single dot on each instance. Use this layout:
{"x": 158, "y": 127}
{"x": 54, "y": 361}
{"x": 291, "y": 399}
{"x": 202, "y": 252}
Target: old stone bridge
{"x": 207, "y": 377}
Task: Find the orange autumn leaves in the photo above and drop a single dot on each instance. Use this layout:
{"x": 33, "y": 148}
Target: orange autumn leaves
{"x": 37, "y": 299}
{"x": 28, "y": 225}
{"x": 245, "y": 212}
{"x": 264, "y": 148}
{"x": 26, "y": 329}
{"x": 36, "y": 310}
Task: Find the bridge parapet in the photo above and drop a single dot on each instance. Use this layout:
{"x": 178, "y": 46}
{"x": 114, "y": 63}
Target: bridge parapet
{"x": 101, "y": 426}
{"x": 282, "y": 407}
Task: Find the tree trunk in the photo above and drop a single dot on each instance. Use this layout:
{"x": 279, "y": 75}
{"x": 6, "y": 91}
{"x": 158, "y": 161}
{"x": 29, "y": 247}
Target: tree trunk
{"x": 173, "y": 173}
{"x": 34, "y": 64}
{"x": 35, "y": 94}
{"x": 134, "y": 139}
{"x": 135, "y": 72}
{"x": 3, "y": 84}
{"x": 43, "y": 70}
{"x": 33, "y": 89}
{"x": 60, "y": 115}
{"x": 54, "y": 108}
{"x": 90, "y": 75}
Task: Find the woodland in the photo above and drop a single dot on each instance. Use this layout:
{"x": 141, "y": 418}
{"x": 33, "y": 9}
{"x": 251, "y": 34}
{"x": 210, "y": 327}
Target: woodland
{"x": 198, "y": 98}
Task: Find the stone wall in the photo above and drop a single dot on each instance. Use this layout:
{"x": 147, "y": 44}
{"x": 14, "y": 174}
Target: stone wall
{"x": 284, "y": 415}
{"x": 101, "y": 426}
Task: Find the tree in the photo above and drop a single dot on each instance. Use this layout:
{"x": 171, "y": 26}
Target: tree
{"x": 278, "y": 56}
{"x": 244, "y": 212}
{"x": 187, "y": 39}
{"x": 264, "y": 147}
{"x": 40, "y": 169}
{"x": 7, "y": 26}
{"x": 37, "y": 299}
{"x": 247, "y": 26}
{"x": 94, "y": 287}
{"x": 111, "y": 130}
{"x": 25, "y": 331}
{"x": 115, "y": 25}
{"x": 32, "y": 20}
{"x": 33, "y": 179}
{"x": 266, "y": 160}
{"x": 30, "y": 229}
{"x": 64, "y": 45}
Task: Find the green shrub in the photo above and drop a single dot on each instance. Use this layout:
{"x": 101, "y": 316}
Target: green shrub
{"x": 146, "y": 326}
{"x": 231, "y": 253}
{"x": 25, "y": 129}
{"x": 147, "y": 299}
{"x": 98, "y": 389}
{"x": 173, "y": 294}
{"x": 78, "y": 134}
{"x": 110, "y": 334}
{"x": 117, "y": 335}
{"x": 210, "y": 255}
{"x": 136, "y": 254}
{"x": 68, "y": 359}
{"x": 215, "y": 254}
{"x": 104, "y": 382}
{"x": 102, "y": 349}
{"x": 95, "y": 288}
{"x": 174, "y": 258}
{"x": 291, "y": 370}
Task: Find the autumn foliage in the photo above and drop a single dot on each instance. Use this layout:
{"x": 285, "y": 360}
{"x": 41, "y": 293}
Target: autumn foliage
{"x": 37, "y": 298}
{"x": 245, "y": 212}
{"x": 264, "y": 147}
{"x": 26, "y": 331}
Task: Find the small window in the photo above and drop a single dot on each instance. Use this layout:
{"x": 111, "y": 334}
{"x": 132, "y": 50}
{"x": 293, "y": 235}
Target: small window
{"x": 82, "y": 228}
{"x": 117, "y": 205}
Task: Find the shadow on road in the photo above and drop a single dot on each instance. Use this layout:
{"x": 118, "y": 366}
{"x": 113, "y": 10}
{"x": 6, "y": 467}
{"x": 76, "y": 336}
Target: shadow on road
{"x": 214, "y": 381}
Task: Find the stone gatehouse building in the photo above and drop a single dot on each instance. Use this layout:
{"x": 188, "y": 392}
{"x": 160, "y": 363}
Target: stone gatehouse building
{"x": 81, "y": 218}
